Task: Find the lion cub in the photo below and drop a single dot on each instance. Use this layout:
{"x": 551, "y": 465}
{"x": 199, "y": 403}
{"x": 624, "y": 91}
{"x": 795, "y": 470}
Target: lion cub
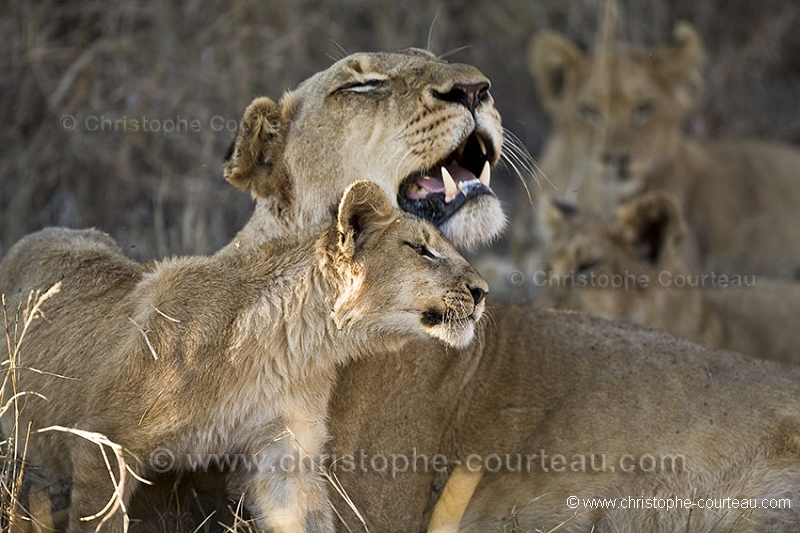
{"x": 195, "y": 356}
{"x": 629, "y": 266}
{"x": 618, "y": 119}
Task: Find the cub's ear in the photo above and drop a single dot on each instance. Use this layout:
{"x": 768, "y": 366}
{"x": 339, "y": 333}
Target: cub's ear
{"x": 652, "y": 224}
{"x": 555, "y": 63}
{"x": 363, "y": 210}
{"x": 553, "y": 214}
{"x": 558, "y": 211}
{"x": 254, "y": 161}
{"x": 679, "y": 65}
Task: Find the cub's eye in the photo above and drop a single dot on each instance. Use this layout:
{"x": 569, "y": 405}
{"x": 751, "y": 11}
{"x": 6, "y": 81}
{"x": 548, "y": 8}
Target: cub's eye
{"x": 644, "y": 111}
{"x": 422, "y": 250}
{"x": 361, "y": 86}
{"x": 588, "y": 112}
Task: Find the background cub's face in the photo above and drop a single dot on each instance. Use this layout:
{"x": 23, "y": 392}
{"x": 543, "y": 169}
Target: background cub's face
{"x": 619, "y": 111}
{"x": 582, "y": 250}
{"x": 625, "y": 122}
{"x": 410, "y": 279}
{"x": 611, "y": 265}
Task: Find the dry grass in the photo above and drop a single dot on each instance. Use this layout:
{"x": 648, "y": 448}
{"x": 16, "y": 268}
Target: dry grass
{"x": 25, "y": 496}
{"x": 14, "y": 514}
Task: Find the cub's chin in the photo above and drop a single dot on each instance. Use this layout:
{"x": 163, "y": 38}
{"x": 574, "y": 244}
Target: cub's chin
{"x": 455, "y": 333}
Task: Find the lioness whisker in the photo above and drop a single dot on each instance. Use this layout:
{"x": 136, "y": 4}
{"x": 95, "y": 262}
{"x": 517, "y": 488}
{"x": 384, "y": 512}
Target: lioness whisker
{"x": 516, "y": 152}
{"x": 338, "y": 45}
{"x": 429, "y": 45}
{"x": 455, "y": 51}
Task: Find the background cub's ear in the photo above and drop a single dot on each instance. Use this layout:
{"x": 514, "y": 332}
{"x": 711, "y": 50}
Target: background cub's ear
{"x": 556, "y": 212}
{"x": 555, "y": 62}
{"x": 363, "y": 210}
{"x": 679, "y": 65}
{"x": 652, "y": 224}
{"x": 552, "y": 214}
{"x": 255, "y": 160}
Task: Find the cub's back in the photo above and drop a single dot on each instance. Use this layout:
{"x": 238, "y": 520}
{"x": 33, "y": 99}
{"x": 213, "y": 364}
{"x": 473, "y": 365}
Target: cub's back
{"x": 88, "y": 259}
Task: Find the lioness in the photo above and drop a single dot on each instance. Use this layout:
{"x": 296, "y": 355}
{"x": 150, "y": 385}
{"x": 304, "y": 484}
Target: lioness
{"x": 617, "y": 117}
{"x": 629, "y": 266}
{"x": 535, "y": 379}
{"x": 228, "y": 355}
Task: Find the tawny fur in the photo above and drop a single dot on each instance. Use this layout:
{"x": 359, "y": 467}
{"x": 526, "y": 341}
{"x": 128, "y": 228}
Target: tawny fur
{"x": 535, "y": 380}
{"x": 228, "y": 355}
{"x": 617, "y": 120}
{"x": 640, "y": 246}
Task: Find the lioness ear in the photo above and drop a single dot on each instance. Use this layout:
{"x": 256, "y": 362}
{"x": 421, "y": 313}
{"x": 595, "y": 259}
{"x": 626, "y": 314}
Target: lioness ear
{"x": 363, "y": 210}
{"x": 652, "y": 224}
{"x": 554, "y": 62}
{"x": 679, "y": 65}
{"x": 255, "y": 160}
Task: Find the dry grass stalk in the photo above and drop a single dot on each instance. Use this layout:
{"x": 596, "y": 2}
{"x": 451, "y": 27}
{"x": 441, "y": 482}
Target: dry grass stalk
{"x": 13, "y": 516}
{"x": 13, "y": 513}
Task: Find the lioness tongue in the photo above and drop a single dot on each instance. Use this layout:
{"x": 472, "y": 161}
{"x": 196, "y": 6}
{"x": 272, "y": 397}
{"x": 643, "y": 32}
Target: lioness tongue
{"x": 460, "y": 173}
{"x": 433, "y": 183}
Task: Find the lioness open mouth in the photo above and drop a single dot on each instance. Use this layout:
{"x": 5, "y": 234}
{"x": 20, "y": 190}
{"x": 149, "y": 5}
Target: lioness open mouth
{"x": 437, "y": 193}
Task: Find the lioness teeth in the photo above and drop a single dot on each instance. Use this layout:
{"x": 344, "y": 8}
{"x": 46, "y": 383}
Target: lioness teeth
{"x": 486, "y": 173}
{"x": 481, "y": 144}
{"x": 450, "y": 187}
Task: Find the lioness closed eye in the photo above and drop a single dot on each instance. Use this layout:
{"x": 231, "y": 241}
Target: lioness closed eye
{"x": 226, "y": 355}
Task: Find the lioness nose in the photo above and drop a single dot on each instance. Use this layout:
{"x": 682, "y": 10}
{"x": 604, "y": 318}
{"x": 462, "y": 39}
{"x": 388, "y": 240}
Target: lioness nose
{"x": 478, "y": 294}
{"x": 470, "y": 95}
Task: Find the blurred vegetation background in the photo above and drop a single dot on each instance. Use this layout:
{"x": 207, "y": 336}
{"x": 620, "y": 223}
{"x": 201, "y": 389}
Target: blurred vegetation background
{"x": 76, "y": 75}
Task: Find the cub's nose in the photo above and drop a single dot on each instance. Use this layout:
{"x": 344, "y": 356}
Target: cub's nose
{"x": 478, "y": 294}
{"x": 619, "y": 162}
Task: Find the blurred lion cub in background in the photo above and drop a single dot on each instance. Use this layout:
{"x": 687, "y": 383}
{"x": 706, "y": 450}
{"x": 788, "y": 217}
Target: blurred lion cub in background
{"x": 617, "y": 119}
{"x": 638, "y": 249}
